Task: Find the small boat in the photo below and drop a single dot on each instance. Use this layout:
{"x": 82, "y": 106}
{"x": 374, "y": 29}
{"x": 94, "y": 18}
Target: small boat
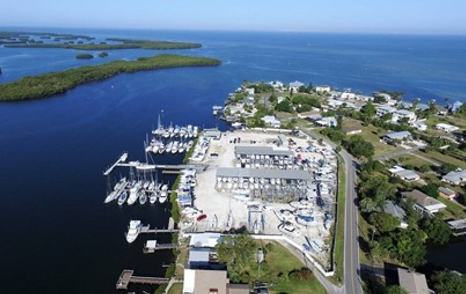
{"x": 134, "y": 193}
{"x": 153, "y": 198}
{"x": 163, "y": 193}
{"x": 134, "y": 229}
{"x": 201, "y": 217}
{"x": 122, "y": 198}
{"x": 143, "y": 199}
{"x": 174, "y": 147}
{"x": 110, "y": 197}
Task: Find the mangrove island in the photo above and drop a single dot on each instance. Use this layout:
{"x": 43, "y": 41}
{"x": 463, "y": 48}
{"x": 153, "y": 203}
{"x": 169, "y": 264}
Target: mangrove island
{"x": 49, "y": 84}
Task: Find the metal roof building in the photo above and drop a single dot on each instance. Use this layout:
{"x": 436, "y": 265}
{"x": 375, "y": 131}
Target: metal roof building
{"x": 233, "y": 172}
{"x": 261, "y": 150}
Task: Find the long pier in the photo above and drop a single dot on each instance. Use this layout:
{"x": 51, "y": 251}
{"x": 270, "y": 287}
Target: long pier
{"x": 127, "y": 277}
{"x": 141, "y": 166}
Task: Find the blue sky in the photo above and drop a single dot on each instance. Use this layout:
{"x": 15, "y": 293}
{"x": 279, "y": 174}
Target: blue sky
{"x": 366, "y": 16}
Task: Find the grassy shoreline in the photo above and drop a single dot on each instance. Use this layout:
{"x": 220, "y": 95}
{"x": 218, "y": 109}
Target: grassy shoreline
{"x": 50, "y": 84}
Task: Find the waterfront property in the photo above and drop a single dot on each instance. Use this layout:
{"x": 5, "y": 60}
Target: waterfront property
{"x": 424, "y": 203}
{"x": 455, "y": 177}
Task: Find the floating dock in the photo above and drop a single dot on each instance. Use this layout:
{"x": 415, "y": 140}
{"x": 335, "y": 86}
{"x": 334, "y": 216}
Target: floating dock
{"x": 152, "y": 246}
{"x": 127, "y": 277}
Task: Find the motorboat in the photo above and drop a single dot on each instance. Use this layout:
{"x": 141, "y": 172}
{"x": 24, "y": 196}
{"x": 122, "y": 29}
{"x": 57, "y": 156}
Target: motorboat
{"x": 153, "y": 198}
{"x": 142, "y": 198}
{"x": 163, "y": 193}
{"x": 134, "y": 193}
{"x": 110, "y": 197}
{"x": 122, "y": 198}
{"x": 134, "y": 229}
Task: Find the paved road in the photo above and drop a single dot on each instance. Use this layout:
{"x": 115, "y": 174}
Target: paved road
{"x": 352, "y": 267}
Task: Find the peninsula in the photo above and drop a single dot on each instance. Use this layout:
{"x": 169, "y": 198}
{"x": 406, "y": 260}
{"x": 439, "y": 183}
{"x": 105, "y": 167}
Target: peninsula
{"x": 49, "y": 84}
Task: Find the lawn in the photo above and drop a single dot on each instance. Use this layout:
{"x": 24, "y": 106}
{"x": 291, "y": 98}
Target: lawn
{"x": 371, "y": 134}
{"x": 437, "y": 156}
{"x": 280, "y": 260}
{"x": 340, "y": 225}
{"x": 176, "y": 288}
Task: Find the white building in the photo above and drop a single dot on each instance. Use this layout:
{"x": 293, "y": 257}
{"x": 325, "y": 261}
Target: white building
{"x": 419, "y": 125}
{"x": 328, "y": 121}
{"x": 271, "y": 121}
{"x": 385, "y": 109}
{"x": 455, "y": 177}
{"x": 446, "y": 127}
{"x": 400, "y": 114}
{"x": 323, "y": 89}
{"x": 404, "y": 174}
{"x": 294, "y": 86}
{"x": 424, "y": 203}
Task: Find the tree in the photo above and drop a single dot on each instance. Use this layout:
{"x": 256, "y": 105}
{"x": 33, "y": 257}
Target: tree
{"x": 410, "y": 248}
{"x": 384, "y": 222}
{"x": 394, "y": 290}
{"x": 368, "y": 111}
{"x": 333, "y": 134}
{"x": 378, "y": 189}
{"x": 448, "y": 282}
{"x": 360, "y": 147}
{"x": 431, "y": 189}
{"x": 284, "y": 106}
{"x": 437, "y": 230}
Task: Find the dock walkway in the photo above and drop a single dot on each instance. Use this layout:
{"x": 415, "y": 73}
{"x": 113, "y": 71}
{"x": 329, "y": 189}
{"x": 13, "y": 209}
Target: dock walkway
{"x": 127, "y": 277}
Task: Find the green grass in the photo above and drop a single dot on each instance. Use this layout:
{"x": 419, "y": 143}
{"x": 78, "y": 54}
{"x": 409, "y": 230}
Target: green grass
{"x": 280, "y": 260}
{"x": 437, "y": 156}
{"x": 176, "y": 288}
{"x": 454, "y": 209}
{"x": 49, "y": 84}
{"x": 340, "y": 225}
{"x": 371, "y": 134}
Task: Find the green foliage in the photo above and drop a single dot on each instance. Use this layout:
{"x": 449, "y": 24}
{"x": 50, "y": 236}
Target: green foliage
{"x": 437, "y": 230}
{"x": 121, "y": 44}
{"x": 262, "y": 88}
{"x": 410, "y": 248}
{"x": 430, "y": 189}
{"x": 359, "y": 147}
{"x": 103, "y": 54}
{"x": 305, "y": 102}
{"x": 175, "y": 208}
{"x": 394, "y": 290}
{"x": 50, "y": 84}
{"x": 368, "y": 111}
{"x": 333, "y": 134}
{"x": 84, "y": 56}
{"x": 448, "y": 282}
{"x": 302, "y": 274}
{"x": 378, "y": 189}
{"x": 284, "y": 106}
{"x": 384, "y": 222}
{"x": 237, "y": 253}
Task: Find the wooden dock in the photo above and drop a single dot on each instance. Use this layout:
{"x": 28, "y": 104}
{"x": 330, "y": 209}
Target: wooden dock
{"x": 127, "y": 277}
{"x": 166, "y": 246}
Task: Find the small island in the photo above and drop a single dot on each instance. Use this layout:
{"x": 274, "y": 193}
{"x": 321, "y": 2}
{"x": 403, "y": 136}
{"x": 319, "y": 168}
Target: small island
{"x": 103, "y": 54}
{"x": 49, "y": 84}
{"x": 84, "y": 56}
{"x": 82, "y": 42}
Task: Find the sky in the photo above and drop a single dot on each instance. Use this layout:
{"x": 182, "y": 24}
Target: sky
{"x": 358, "y": 16}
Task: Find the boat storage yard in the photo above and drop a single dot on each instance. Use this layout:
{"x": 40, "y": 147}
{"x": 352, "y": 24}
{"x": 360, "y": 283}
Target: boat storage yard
{"x": 273, "y": 184}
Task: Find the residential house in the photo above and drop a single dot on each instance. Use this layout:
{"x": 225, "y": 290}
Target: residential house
{"x": 413, "y": 282}
{"x": 206, "y": 240}
{"x": 455, "y": 177}
{"x": 384, "y": 109}
{"x": 396, "y": 211}
{"x": 271, "y": 121}
{"x": 294, "y": 86}
{"x": 395, "y": 137}
{"x": 419, "y": 125}
{"x": 403, "y": 114}
{"x": 446, "y": 127}
{"x": 447, "y": 193}
{"x": 352, "y": 130}
{"x": 323, "y": 89}
{"x": 328, "y": 121}
{"x": 424, "y": 203}
{"x": 404, "y": 174}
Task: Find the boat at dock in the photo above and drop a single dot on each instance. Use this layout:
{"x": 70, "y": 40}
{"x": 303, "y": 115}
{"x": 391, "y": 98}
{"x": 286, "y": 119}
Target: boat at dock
{"x": 134, "y": 193}
{"x": 134, "y": 229}
{"x": 122, "y": 198}
{"x": 143, "y": 198}
{"x": 163, "y": 193}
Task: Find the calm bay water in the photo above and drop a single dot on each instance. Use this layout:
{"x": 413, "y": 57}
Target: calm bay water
{"x": 58, "y": 236}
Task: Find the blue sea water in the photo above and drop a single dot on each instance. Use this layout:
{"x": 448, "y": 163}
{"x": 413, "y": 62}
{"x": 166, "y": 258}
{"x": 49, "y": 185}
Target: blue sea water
{"x": 58, "y": 236}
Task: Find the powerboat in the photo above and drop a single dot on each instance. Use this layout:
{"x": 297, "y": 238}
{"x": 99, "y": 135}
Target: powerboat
{"x": 134, "y": 193}
{"x": 143, "y": 198}
{"x": 134, "y": 229}
{"x": 163, "y": 193}
{"x": 122, "y": 198}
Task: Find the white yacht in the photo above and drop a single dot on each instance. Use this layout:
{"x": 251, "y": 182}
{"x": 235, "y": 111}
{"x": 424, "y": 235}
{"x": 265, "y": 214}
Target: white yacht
{"x": 122, "y": 198}
{"x": 134, "y": 193}
{"x": 134, "y": 229}
{"x": 163, "y": 193}
{"x": 142, "y": 198}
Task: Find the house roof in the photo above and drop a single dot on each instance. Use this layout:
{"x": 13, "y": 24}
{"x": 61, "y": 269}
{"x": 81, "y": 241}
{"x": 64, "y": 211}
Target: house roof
{"x": 412, "y": 282}
{"x": 398, "y": 135}
{"x": 394, "y": 210}
{"x": 199, "y": 255}
{"x": 455, "y": 176}
{"x": 446, "y": 191}
{"x": 202, "y": 281}
{"x": 204, "y": 239}
{"x": 238, "y": 289}
{"x": 422, "y": 199}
